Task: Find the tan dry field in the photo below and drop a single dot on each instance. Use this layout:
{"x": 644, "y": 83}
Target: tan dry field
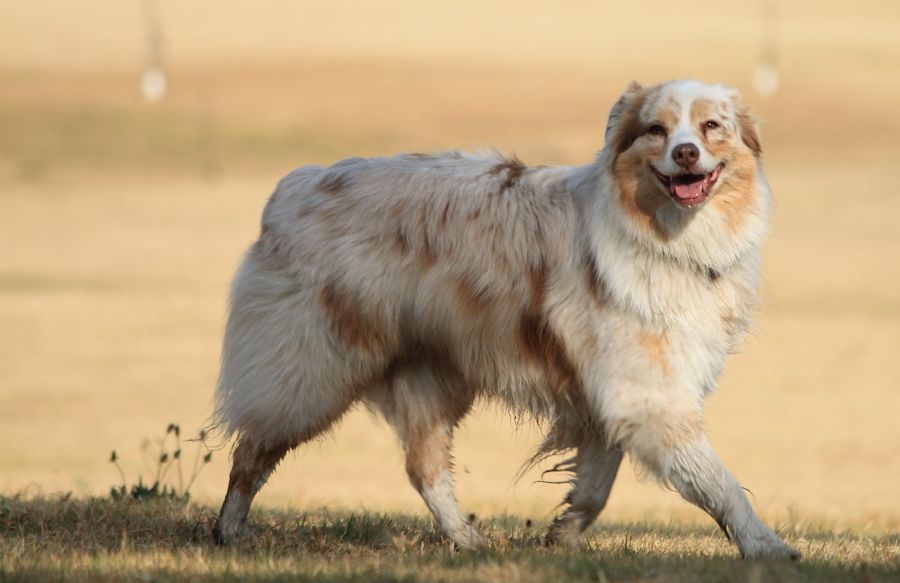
{"x": 121, "y": 223}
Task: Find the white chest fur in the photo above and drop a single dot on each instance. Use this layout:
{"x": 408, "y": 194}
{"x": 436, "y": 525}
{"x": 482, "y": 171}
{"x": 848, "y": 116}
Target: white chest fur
{"x": 702, "y": 313}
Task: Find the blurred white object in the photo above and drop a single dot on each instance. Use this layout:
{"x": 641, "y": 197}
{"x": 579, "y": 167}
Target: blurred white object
{"x": 153, "y": 84}
{"x": 765, "y": 80}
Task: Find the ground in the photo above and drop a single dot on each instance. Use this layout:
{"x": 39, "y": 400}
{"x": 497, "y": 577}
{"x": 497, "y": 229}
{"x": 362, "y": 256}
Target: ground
{"x": 102, "y": 540}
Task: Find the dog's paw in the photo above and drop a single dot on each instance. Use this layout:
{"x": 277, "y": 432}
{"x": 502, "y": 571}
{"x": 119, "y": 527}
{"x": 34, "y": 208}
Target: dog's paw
{"x": 563, "y": 533}
{"x": 767, "y": 546}
{"x": 468, "y": 537}
{"x": 230, "y": 536}
{"x": 567, "y": 528}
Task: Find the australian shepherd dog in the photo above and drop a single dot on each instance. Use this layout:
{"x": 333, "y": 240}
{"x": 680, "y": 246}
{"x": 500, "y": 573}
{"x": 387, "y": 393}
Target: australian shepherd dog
{"x": 602, "y": 300}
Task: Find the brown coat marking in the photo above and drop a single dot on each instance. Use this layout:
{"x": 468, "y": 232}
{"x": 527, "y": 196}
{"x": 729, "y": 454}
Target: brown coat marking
{"x": 538, "y": 340}
{"x": 513, "y": 167}
{"x": 596, "y": 287}
{"x": 474, "y": 300}
{"x": 626, "y": 127}
{"x": 717, "y": 141}
{"x": 401, "y": 241}
{"x": 639, "y": 200}
{"x": 656, "y": 346}
{"x": 675, "y": 429}
{"x": 537, "y": 282}
{"x": 336, "y": 215}
{"x": 271, "y": 250}
{"x": 442, "y": 222}
{"x": 730, "y": 322}
{"x": 427, "y": 254}
{"x": 703, "y": 110}
{"x": 686, "y": 428}
{"x": 667, "y": 117}
{"x": 624, "y": 120}
{"x": 666, "y": 114}
{"x": 747, "y": 127}
{"x": 333, "y": 183}
{"x": 737, "y": 193}
{"x": 348, "y": 321}
{"x": 427, "y": 454}
{"x": 252, "y": 462}
{"x": 399, "y": 210}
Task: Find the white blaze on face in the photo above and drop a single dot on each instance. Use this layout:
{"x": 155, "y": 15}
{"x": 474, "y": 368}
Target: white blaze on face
{"x": 678, "y": 99}
{"x": 685, "y": 167}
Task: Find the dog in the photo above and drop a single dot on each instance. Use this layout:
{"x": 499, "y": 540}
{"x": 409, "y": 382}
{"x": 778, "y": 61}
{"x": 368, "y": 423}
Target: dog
{"x": 602, "y": 300}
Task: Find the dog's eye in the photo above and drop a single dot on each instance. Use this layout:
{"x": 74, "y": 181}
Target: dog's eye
{"x": 711, "y": 124}
{"x": 656, "y": 130}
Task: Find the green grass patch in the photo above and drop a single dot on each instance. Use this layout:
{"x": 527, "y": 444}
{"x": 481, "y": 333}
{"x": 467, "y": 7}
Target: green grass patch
{"x": 99, "y": 539}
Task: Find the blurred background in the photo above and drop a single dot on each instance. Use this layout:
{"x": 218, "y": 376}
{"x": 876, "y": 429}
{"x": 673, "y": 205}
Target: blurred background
{"x": 139, "y": 140}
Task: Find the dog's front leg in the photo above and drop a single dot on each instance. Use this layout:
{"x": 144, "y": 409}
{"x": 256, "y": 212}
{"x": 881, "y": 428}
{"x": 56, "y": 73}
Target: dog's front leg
{"x": 660, "y": 427}
{"x": 700, "y": 477}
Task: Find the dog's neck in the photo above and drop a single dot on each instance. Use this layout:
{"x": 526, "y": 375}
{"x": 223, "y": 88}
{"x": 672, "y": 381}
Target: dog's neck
{"x": 695, "y": 240}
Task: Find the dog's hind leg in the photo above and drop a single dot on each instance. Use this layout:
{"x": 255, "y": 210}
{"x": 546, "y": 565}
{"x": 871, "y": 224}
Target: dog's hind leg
{"x": 253, "y": 461}
{"x": 296, "y": 356}
{"x": 430, "y": 468}
{"x": 424, "y": 406}
{"x": 252, "y": 465}
{"x": 596, "y": 467}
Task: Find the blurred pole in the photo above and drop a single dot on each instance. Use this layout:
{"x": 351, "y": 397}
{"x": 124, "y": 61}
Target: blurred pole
{"x": 765, "y": 78}
{"x": 153, "y": 81}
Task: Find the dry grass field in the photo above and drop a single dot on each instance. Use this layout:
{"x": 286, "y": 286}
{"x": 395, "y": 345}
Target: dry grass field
{"x": 121, "y": 223}
{"x": 95, "y": 540}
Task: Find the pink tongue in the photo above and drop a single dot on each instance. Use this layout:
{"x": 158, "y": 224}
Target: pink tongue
{"x": 688, "y": 191}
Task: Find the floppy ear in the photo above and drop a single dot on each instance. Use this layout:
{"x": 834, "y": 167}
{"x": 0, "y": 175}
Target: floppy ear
{"x": 621, "y": 126}
{"x": 748, "y": 126}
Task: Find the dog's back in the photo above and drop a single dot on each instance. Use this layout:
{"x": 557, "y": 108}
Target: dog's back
{"x": 370, "y": 262}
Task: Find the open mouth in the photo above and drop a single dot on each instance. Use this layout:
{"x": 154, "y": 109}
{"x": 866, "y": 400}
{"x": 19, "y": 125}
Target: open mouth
{"x": 689, "y": 189}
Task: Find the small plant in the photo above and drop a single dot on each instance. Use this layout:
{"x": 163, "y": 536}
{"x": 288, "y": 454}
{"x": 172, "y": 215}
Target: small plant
{"x": 159, "y": 488}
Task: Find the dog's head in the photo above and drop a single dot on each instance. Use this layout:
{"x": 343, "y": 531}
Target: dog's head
{"x": 682, "y": 151}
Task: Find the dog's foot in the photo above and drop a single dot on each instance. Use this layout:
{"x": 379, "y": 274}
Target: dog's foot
{"x": 224, "y": 535}
{"x": 468, "y": 537}
{"x": 764, "y": 545}
{"x": 567, "y": 528}
{"x": 563, "y": 532}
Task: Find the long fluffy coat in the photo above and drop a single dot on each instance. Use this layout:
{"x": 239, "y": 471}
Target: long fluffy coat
{"x": 590, "y": 298}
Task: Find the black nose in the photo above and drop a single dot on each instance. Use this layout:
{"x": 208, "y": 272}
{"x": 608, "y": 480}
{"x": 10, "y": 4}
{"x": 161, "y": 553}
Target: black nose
{"x": 686, "y": 155}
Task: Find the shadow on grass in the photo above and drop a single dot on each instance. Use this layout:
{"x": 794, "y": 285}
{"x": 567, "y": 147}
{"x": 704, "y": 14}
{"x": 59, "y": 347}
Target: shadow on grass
{"x": 100, "y": 539}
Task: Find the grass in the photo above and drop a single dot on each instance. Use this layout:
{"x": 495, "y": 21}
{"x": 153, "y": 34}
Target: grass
{"x": 99, "y": 539}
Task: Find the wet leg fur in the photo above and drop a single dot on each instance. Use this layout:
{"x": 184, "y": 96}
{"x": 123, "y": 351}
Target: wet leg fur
{"x": 701, "y": 478}
{"x": 595, "y": 468}
{"x": 676, "y": 451}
